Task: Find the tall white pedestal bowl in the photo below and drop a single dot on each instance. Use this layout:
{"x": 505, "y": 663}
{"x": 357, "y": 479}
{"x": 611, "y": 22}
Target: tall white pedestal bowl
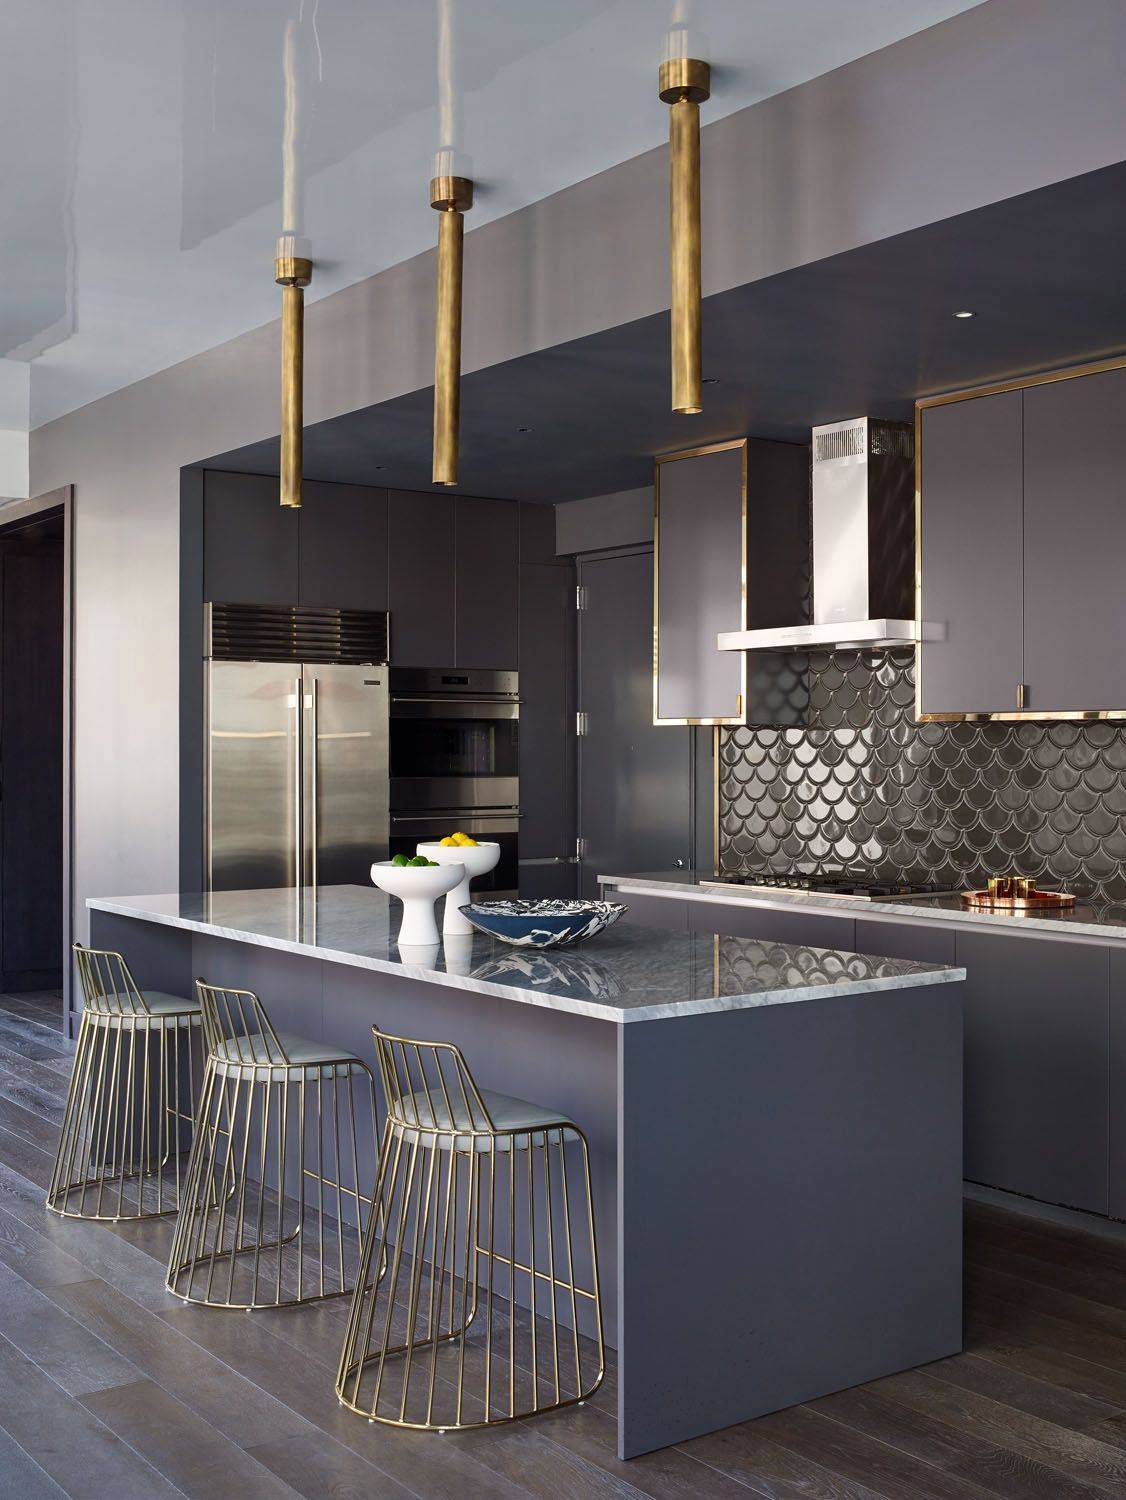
{"x": 417, "y": 887}
{"x": 476, "y": 859}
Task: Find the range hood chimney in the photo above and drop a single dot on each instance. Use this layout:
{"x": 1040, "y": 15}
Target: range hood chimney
{"x": 863, "y": 543}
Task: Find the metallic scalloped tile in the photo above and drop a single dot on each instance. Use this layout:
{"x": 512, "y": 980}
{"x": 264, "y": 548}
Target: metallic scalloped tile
{"x": 864, "y": 785}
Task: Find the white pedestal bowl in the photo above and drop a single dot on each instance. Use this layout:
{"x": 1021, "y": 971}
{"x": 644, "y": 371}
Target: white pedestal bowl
{"x": 477, "y": 859}
{"x": 417, "y": 887}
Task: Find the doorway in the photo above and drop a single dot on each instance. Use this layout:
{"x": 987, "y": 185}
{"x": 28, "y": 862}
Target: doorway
{"x": 34, "y": 762}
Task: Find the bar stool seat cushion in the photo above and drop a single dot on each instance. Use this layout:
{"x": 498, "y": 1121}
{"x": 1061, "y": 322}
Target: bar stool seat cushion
{"x": 510, "y": 1116}
{"x": 301, "y": 1052}
{"x": 160, "y": 1004}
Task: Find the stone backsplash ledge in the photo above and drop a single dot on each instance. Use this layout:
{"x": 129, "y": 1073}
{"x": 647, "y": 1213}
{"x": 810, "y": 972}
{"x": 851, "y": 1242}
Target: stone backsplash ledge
{"x": 868, "y": 788}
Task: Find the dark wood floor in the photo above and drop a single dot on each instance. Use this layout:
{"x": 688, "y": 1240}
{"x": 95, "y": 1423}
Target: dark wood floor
{"x": 111, "y": 1388}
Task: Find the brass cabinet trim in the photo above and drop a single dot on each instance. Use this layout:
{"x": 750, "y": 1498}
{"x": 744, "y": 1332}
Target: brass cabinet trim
{"x": 971, "y": 393}
{"x": 740, "y": 716}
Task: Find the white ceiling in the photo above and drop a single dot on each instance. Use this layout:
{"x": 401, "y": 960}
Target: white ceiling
{"x": 142, "y": 171}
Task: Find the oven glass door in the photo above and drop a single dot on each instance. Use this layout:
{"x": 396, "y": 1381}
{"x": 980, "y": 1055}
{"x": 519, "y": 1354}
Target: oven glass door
{"x": 453, "y": 746}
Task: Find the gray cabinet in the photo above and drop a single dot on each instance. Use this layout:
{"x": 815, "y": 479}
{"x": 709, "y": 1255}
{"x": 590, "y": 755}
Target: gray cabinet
{"x": 1037, "y": 1067}
{"x": 970, "y": 555}
{"x": 918, "y": 944}
{"x": 1074, "y": 543}
{"x": 250, "y": 542}
{"x": 814, "y": 929}
{"x": 652, "y": 911}
{"x": 486, "y": 550}
{"x": 1022, "y": 527}
{"x": 1117, "y": 1171}
{"x": 731, "y": 552}
{"x": 420, "y": 582}
{"x": 342, "y": 561}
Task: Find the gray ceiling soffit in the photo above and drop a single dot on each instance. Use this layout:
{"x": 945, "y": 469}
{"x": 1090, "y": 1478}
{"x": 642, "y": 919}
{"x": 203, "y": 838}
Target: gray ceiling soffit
{"x": 862, "y": 332}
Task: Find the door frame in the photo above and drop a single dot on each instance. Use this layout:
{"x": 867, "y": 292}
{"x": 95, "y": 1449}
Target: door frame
{"x": 14, "y": 517}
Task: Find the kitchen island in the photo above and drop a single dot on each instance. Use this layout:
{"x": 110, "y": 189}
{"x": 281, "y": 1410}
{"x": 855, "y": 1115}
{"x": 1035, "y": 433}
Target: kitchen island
{"x": 775, "y": 1129}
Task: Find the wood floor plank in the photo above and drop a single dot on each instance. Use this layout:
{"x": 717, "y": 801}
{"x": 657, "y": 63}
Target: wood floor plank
{"x": 317, "y": 1467}
{"x": 84, "y": 1458}
{"x": 766, "y": 1467}
{"x": 22, "y": 1476}
{"x": 77, "y": 1360}
{"x": 1079, "y": 1464}
{"x": 186, "y": 1450}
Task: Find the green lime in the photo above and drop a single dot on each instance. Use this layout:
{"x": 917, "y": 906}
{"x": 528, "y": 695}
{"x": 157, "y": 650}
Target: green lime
{"x": 400, "y": 860}
{"x": 418, "y": 861}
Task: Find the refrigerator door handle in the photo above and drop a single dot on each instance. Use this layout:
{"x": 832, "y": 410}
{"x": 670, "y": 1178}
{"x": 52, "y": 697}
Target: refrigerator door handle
{"x": 298, "y": 783}
{"x": 314, "y": 734}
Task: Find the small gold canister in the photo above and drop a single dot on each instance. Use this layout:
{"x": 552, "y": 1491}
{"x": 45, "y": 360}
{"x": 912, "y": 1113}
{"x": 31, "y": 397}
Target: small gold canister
{"x": 1011, "y": 887}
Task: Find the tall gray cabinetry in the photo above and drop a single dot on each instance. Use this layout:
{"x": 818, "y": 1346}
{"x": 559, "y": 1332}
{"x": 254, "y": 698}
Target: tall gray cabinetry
{"x": 1021, "y": 530}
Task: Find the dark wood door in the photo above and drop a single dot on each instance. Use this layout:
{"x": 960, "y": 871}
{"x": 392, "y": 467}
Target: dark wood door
{"x": 343, "y": 552}
{"x": 420, "y": 582}
{"x": 31, "y": 744}
{"x": 1074, "y": 542}
{"x": 635, "y": 780}
{"x": 486, "y": 551}
{"x": 249, "y": 541}
{"x": 970, "y": 555}
{"x": 1037, "y": 1067}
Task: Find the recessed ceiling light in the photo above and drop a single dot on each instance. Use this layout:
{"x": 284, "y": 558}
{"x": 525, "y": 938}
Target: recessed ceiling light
{"x": 523, "y": 429}
{"x": 965, "y": 315}
{"x": 710, "y": 380}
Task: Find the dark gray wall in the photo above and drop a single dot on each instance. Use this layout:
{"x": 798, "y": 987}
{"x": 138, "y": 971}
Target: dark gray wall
{"x": 999, "y": 101}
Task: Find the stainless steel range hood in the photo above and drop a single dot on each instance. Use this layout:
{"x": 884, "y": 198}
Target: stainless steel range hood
{"x": 863, "y": 544}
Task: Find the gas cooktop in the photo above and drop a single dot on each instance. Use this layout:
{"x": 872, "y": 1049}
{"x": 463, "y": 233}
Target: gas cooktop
{"x": 842, "y": 884}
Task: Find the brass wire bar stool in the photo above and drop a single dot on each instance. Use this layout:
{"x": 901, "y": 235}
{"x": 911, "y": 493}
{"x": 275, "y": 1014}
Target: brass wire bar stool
{"x": 274, "y": 1170}
{"x": 475, "y": 1226}
{"x": 129, "y": 1112}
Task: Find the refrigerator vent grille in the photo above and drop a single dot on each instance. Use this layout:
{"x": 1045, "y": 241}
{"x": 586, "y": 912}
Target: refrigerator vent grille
{"x": 840, "y": 442}
{"x": 259, "y": 632}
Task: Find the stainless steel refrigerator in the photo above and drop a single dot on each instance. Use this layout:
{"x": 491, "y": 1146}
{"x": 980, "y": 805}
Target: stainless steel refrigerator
{"x": 297, "y": 757}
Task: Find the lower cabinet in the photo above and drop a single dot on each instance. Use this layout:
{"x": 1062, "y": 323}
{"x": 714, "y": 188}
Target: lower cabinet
{"x": 650, "y": 911}
{"x": 1037, "y": 1067}
{"x": 916, "y": 943}
{"x": 813, "y": 928}
{"x": 1117, "y": 1089}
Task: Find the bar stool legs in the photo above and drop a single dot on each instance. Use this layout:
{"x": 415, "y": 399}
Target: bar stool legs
{"x": 272, "y": 1213}
{"x": 483, "y": 1211}
{"x": 126, "y": 1128}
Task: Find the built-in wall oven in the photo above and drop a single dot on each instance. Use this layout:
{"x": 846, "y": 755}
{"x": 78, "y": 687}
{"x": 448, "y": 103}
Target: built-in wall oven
{"x": 454, "y": 760}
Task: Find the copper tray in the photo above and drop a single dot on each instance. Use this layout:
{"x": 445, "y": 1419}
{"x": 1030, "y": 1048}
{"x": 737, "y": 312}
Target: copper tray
{"x": 1035, "y": 901}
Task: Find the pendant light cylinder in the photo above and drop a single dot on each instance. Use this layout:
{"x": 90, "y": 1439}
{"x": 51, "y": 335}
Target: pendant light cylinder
{"x": 450, "y": 196}
{"x": 293, "y": 274}
{"x": 684, "y": 84}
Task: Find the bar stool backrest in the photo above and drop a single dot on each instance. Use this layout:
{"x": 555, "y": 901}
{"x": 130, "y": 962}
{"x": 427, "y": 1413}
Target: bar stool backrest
{"x": 428, "y": 1086}
{"x": 236, "y": 1021}
{"x": 108, "y": 986}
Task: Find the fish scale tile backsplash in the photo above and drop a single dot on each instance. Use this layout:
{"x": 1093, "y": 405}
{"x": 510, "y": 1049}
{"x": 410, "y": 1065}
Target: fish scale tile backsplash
{"x": 948, "y": 804}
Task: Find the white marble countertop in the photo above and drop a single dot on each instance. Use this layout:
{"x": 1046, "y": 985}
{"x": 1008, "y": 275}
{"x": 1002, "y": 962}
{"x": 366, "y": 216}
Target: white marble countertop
{"x": 627, "y": 973}
{"x": 1087, "y": 921}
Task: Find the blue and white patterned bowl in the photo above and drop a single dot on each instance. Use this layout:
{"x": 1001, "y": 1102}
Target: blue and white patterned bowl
{"x": 542, "y": 924}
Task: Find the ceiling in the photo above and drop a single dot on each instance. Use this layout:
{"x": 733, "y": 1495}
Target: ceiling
{"x": 142, "y": 173}
{"x": 860, "y": 333}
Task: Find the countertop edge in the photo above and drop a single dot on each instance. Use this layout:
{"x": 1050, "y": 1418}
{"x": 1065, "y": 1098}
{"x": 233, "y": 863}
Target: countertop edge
{"x": 858, "y": 906}
{"x": 592, "y": 1009}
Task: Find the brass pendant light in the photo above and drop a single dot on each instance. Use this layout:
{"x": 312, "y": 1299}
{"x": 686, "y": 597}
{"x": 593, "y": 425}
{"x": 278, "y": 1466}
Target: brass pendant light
{"x": 451, "y": 196}
{"x": 685, "y": 82}
{"x": 293, "y": 270}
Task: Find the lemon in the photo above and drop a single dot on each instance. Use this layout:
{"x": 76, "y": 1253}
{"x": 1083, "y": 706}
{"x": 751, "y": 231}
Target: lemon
{"x": 448, "y": 843}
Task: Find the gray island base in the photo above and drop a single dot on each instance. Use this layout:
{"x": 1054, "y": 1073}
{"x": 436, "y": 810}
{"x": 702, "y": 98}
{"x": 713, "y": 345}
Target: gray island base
{"x": 775, "y": 1130}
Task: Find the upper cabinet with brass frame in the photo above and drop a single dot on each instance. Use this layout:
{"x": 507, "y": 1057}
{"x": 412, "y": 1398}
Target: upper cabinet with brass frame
{"x": 730, "y": 552}
{"x": 1020, "y": 534}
